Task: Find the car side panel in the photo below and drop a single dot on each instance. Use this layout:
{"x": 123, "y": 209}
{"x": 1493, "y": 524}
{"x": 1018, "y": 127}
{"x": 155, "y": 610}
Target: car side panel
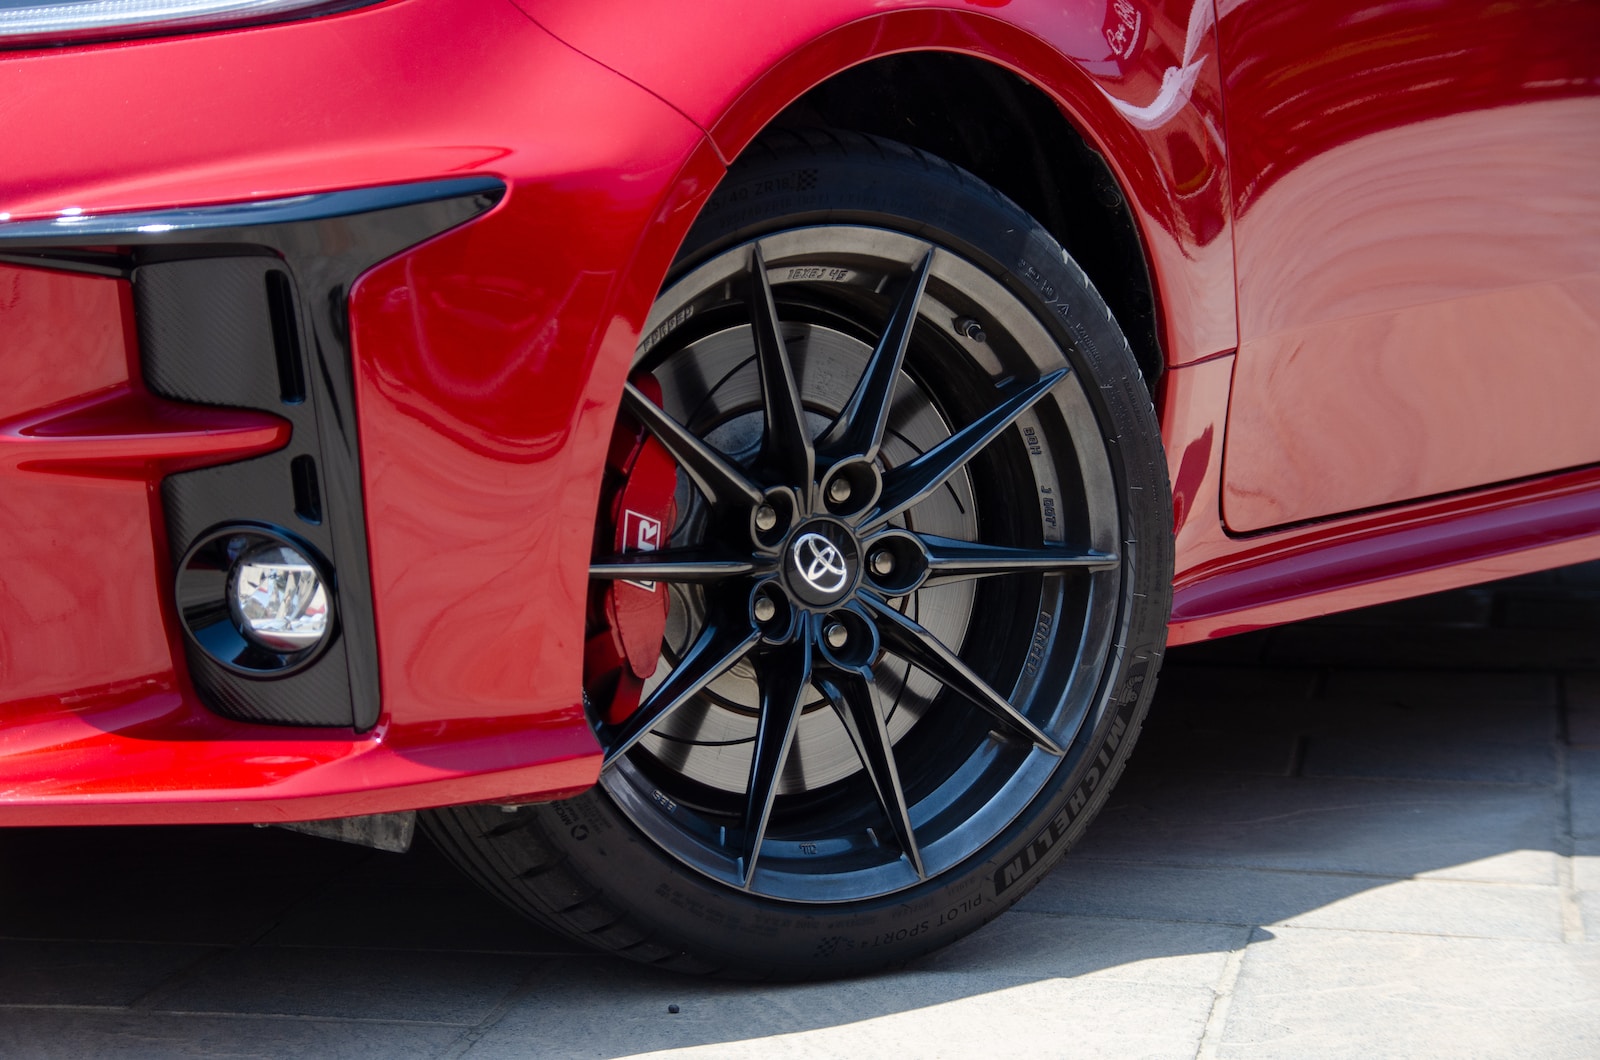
{"x": 1419, "y": 250}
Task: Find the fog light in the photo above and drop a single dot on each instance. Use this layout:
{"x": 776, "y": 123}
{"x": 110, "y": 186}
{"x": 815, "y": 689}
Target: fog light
{"x": 278, "y": 599}
{"x": 256, "y": 599}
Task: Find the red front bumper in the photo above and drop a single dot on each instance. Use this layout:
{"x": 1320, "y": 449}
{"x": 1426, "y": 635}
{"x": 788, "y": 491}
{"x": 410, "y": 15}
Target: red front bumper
{"x": 486, "y": 364}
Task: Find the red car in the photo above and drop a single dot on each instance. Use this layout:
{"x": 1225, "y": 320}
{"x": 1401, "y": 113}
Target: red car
{"x": 738, "y": 468}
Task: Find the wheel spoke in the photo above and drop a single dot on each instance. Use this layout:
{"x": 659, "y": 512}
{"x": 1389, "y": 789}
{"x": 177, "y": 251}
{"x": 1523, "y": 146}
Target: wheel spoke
{"x": 712, "y": 473}
{"x": 674, "y": 565}
{"x": 950, "y": 560}
{"x": 783, "y": 675}
{"x": 913, "y": 482}
{"x": 908, "y": 639}
{"x": 858, "y": 430}
{"x": 851, "y": 697}
{"x": 716, "y": 649}
{"x": 786, "y": 450}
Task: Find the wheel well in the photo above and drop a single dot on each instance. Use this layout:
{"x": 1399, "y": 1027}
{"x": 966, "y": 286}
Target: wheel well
{"x": 1010, "y": 134}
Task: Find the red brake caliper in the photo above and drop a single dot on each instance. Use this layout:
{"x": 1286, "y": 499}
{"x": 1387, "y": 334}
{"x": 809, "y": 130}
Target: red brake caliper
{"x": 627, "y": 619}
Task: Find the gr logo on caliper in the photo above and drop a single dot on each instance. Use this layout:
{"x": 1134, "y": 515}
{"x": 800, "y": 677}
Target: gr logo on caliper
{"x": 640, "y": 533}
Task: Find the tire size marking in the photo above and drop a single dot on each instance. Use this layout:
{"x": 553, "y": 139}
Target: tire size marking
{"x": 820, "y": 272}
{"x": 666, "y": 328}
{"x": 1036, "y": 278}
{"x": 1041, "y": 641}
{"x": 1030, "y": 436}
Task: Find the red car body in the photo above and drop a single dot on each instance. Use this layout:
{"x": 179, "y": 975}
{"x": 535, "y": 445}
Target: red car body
{"x": 1372, "y": 234}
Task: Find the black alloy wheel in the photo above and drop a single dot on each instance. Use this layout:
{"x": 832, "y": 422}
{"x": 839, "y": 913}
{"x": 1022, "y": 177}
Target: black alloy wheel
{"x": 918, "y": 582}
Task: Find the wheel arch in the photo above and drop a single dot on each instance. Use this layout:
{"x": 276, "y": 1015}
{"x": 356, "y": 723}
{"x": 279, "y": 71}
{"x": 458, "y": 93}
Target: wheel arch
{"x": 936, "y": 101}
{"x": 1128, "y": 172}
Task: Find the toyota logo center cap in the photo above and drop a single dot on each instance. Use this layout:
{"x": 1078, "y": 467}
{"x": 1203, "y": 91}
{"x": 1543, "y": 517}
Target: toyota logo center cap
{"x": 821, "y": 566}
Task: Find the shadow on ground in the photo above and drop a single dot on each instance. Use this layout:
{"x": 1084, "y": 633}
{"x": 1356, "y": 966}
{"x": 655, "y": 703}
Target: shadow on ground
{"x": 1357, "y": 832}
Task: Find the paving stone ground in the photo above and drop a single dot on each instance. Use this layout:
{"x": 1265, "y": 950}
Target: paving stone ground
{"x": 1370, "y": 835}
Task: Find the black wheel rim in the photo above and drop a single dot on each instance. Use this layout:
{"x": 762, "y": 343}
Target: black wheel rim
{"x": 895, "y": 575}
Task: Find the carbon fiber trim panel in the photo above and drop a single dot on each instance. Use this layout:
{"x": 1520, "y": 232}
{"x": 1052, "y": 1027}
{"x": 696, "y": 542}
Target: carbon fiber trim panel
{"x": 245, "y": 306}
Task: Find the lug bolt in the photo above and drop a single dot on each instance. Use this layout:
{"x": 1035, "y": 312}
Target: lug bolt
{"x": 839, "y": 490}
{"x": 968, "y": 328}
{"x": 765, "y": 609}
{"x": 766, "y": 518}
{"x": 883, "y": 563}
{"x": 836, "y": 635}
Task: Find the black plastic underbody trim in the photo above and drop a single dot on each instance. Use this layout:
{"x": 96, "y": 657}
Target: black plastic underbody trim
{"x": 211, "y": 286}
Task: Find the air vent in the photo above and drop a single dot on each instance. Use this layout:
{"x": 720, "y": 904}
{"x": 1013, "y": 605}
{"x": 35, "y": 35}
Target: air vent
{"x": 307, "y": 495}
{"x": 286, "y": 339}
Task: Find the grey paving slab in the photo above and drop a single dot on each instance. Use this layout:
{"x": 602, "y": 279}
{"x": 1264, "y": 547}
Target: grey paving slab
{"x": 1418, "y": 758}
{"x": 182, "y": 885}
{"x": 1029, "y": 944}
{"x": 1586, "y": 864}
{"x": 1399, "y": 829}
{"x": 1586, "y": 884}
{"x": 1399, "y": 646}
{"x": 1481, "y": 704}
{"x": 1305, "y": 993}
{"x": 1581, "y": 696}
{"x": 454, "y": 988}
{"x": 56, "y": 1034}
{"x": 1549, "y": 607}
{"x": 70, "y": 972}
{"x": 1219, "y": 751}
{"x": 458, "y": 918}
{"x": 1583, "y": 778}
{"x": 1258, "y": 896}
{"x": 1207, "y": 688}
{"x": 375, "y": 903}
{"x": 593, "y": 1009}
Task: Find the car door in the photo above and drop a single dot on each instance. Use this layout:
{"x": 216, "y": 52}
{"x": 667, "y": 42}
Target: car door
{"x": 1417, "y": 189}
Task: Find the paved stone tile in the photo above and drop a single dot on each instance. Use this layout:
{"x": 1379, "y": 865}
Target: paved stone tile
{"x": 1554, "y": 607}
{"x": 1386, "y": 828}
{"x": 459, "y": 918}
{"x": 453, "y": 988}
{"x": 1210, "y": 687}
{"x": 54, "y": 1034}
{"x": 1399, "y": 646}
{"x": 1582, "y": 699}
{"x": 1579, "y": 575}
{"x": 1027, "y": 944}
{"x": 1498, "y": 705}
{"x": 1218, "y": 750}
{"x": 183, "y": 885}
{"x": 1307, "y": 993}
{"x": 1443, "y": 758}
{"x": 86, "y": 973}
{"x": 1586, "y": 880}
{"x": 600, "y": 1009}
{"x": 1583, "y": 776}
{"x": 1259, "y": 896}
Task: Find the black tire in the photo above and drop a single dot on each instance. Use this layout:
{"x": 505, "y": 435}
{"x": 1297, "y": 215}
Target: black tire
{"x": 829, "y": 869}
